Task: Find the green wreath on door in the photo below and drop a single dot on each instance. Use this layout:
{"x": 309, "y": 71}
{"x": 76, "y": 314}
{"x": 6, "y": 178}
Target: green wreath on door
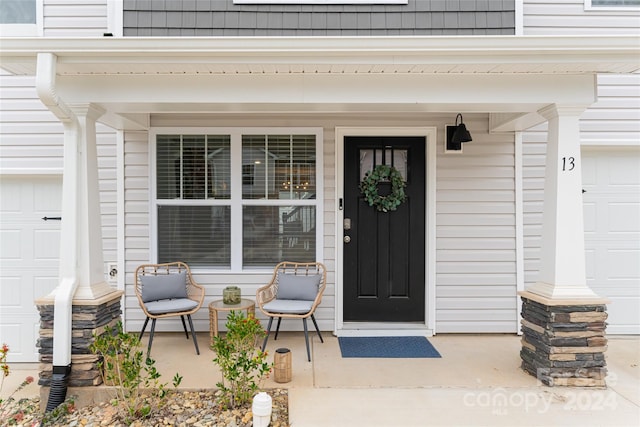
{"x": 369, "y": 188}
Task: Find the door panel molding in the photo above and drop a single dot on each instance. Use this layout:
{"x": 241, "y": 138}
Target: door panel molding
{"x": 430, "y": 135}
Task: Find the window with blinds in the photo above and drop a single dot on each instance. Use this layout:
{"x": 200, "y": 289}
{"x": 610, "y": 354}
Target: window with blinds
{"x": 280, "y": 170}
{"x": 193, "y": 191}
{"x": 274, "y": 203}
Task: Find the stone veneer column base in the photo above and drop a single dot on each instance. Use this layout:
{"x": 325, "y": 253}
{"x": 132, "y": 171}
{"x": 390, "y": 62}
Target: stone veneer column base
{"x": 89, "y": 317}
{"x": 563, "y": 342}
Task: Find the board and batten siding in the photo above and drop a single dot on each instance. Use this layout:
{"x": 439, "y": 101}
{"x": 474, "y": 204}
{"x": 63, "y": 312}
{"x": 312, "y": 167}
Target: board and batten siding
{"x": 569, "y": 17}
{"x": 476, "y": 235}
{"x": 31, "y": 143}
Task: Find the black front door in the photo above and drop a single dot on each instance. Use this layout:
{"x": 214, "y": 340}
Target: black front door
{"x": 384, "y": 252}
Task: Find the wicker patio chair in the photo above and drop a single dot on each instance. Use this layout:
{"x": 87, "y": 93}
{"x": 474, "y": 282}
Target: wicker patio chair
{"x": 168, "y": 290}
{"x": 295, "y": 291}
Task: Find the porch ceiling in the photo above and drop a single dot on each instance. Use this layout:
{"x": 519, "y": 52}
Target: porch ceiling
{"x": 327, "y": 55}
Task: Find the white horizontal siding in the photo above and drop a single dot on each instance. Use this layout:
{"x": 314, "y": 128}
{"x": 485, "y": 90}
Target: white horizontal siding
{"x": 533, "y": 144}
{"x": 107, "y": 184}
{"x": 498, "y": 287}
{"x": 569, "y": 17}
{"x": 615, "y": 118}
{"x": 31, "y": 134}
{"x": 475, "y": 236}
{"x": 63, "y": 18}
{"x": 136, "y": 228}
{"x": 32, "y": 139}
{"x": 475, "y": 245}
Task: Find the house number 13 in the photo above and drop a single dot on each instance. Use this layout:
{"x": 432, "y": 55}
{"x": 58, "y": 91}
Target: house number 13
{"x": 568, "y": 164}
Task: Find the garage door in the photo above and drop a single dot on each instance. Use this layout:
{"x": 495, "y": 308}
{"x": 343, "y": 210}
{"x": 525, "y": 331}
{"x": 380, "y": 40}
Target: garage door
{"x": 612, "y": 233}
{"x": 29, "y": 248}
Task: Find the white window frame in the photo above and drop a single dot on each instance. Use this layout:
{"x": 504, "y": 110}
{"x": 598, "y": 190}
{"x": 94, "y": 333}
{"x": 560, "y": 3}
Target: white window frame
{"x": 588, "y": 5}
{"x": 320, "y": 2}
{"x": 237, "y": 202}
{"x": 26, "y": 30}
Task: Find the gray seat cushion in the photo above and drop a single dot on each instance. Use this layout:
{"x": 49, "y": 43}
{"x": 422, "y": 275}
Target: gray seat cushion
{"x": 164, "y": 286}
{"x": 298, "y": 287}
{"x": 286, "y": 306}
{"x": 170, "y": 305}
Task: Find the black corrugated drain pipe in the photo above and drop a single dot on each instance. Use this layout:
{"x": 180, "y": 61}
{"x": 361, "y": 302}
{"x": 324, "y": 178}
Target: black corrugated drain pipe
{"x": 58, "y": 390}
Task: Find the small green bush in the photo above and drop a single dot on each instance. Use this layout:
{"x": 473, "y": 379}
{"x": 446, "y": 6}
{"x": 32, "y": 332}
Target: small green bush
{"x": 137, "y": 381}
{"x": 244, "y": 366}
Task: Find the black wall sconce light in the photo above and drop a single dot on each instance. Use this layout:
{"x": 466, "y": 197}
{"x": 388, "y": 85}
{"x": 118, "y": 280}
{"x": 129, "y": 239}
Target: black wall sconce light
{"x": 456, "y": 135}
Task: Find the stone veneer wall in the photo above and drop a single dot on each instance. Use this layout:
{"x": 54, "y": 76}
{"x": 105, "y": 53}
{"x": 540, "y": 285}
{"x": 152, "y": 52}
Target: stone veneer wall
{"x": 564, "y": 345}
{"x": 87, "y": 320}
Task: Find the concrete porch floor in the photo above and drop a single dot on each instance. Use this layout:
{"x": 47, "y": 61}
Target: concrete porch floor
{"x": 476, "y": 382}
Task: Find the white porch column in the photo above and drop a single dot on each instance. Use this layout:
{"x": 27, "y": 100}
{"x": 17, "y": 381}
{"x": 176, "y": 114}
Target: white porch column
{"x": 561, "y": 315}
{"x": 562, "y": 261}
{"x": 88, "y": 225}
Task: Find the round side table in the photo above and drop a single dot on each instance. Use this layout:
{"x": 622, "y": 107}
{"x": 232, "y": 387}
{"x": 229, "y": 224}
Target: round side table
{"x": 215, "y": 306}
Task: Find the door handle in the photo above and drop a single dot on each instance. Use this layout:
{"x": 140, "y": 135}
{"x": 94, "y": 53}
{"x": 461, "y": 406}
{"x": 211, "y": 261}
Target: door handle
{"x": 347, "y": 239}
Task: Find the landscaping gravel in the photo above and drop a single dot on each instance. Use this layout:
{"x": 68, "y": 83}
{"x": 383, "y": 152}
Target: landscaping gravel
{"x": 181, "y": 408}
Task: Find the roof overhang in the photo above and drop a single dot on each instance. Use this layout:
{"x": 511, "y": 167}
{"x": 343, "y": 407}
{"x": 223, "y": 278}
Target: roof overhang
{"x": 362, "y": 55}
{"x": 512, "y": 76}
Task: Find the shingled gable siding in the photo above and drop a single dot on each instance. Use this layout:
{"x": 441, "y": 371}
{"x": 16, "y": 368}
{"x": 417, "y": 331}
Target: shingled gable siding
{"x": 224, "y": 18}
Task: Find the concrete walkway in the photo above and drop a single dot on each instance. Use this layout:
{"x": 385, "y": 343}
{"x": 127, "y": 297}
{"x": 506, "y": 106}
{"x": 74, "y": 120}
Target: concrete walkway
{"x": 477, "y": 382}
